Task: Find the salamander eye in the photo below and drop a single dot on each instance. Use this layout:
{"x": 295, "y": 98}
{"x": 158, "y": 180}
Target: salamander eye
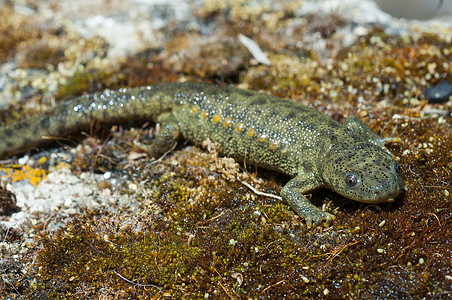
{"x": 397, "y": 168}
{"x": 351, "y": 180}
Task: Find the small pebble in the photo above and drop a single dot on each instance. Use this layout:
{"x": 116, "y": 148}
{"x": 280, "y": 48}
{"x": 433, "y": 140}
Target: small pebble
{"x": 232, "y": 242}
{"x": 133, "y": 187}
{"x": 106, "y": 192}
{"x": 439, "y": 93}
{"x": 68, "y": 202}
{"x": 107, "y": 175}
{"x": 23, "y": 160}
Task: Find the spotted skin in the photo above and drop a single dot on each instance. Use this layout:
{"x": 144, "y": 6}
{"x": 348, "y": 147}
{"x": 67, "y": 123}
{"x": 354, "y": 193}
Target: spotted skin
{"x": 274, "y": 133}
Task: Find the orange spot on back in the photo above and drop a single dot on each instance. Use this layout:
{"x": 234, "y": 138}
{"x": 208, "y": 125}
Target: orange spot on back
{"x": 274, "y": 144}
{"x": 262, "y": 137}
{"x": 239, "y": 126}
{"x": 227, "y": 122}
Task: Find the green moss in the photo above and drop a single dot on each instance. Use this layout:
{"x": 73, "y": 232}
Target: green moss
{"x": 83, "y": 254}
{"x": 80, "y": 81}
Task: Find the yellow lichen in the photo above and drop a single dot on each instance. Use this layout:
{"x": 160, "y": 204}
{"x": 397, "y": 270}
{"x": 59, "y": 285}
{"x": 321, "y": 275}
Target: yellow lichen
{"x": 20, "y": 172}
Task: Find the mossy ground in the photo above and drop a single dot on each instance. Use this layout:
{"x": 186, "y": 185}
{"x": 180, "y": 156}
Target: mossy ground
{"x": 198, "y": 233}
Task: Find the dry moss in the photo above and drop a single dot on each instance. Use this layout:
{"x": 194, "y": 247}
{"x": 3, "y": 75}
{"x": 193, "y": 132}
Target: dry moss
{"x": 7, "y": 200}
{"x": 14, "y": 29}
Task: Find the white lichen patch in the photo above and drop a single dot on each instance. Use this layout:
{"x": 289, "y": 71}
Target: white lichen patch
{"x": 57, "y": 197}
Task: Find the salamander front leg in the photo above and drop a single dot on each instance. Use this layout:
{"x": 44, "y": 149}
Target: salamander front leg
{"x": 293, "y": 192}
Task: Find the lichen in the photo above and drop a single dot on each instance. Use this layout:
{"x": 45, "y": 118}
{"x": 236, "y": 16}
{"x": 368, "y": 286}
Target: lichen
{"x": 24, "y": 172}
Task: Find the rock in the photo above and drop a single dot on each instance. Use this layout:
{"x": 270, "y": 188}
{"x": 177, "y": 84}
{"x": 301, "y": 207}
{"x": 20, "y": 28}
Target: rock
{"x": 439, "y": 93}
{"x": 412, "y": 9}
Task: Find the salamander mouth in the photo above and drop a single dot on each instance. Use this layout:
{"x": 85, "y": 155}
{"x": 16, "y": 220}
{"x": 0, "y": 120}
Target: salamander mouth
{"x": 379, "y": 196}
{"x": 389, "y": 197}
{"x": 375, "y": 201}
{"x": 388, "y": 190}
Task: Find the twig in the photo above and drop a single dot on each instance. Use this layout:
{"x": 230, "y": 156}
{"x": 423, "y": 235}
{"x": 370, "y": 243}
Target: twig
{"x": 102, "y": 147}
{"x": 403, "y": 249}
{"x": 435, "y": 217}
{"x": 254, "y": 48}
{"x": 339, "y": 251}
{"x": 226, "y": 291}
{"x": 137, "y": 284}
{"x": 222, "y": 286}
{"x": 164, "y": 154}
{"x": 216, "y": 217}
{"x": 259, "y": 192}
{"x": 279, "y": 282}
{"x": 7, "y": 231}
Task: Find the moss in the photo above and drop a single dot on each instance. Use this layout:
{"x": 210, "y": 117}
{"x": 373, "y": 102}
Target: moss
{"x": 7, "y": 201}
{"x": 14, "y": 29}
{"x": 206, "y": 57}
{"x": 40, "y": 54}
{"x": 146, "y": 68}
{"x": 80, "y": 81}
{"x": 108, "y": 259}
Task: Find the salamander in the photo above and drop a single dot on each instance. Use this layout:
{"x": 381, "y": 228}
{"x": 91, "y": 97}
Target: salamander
{"x": 278, "y": 134}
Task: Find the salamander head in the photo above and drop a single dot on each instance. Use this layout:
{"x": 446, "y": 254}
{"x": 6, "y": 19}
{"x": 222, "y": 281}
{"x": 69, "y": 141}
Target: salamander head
{"x": 362, "y": 172}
